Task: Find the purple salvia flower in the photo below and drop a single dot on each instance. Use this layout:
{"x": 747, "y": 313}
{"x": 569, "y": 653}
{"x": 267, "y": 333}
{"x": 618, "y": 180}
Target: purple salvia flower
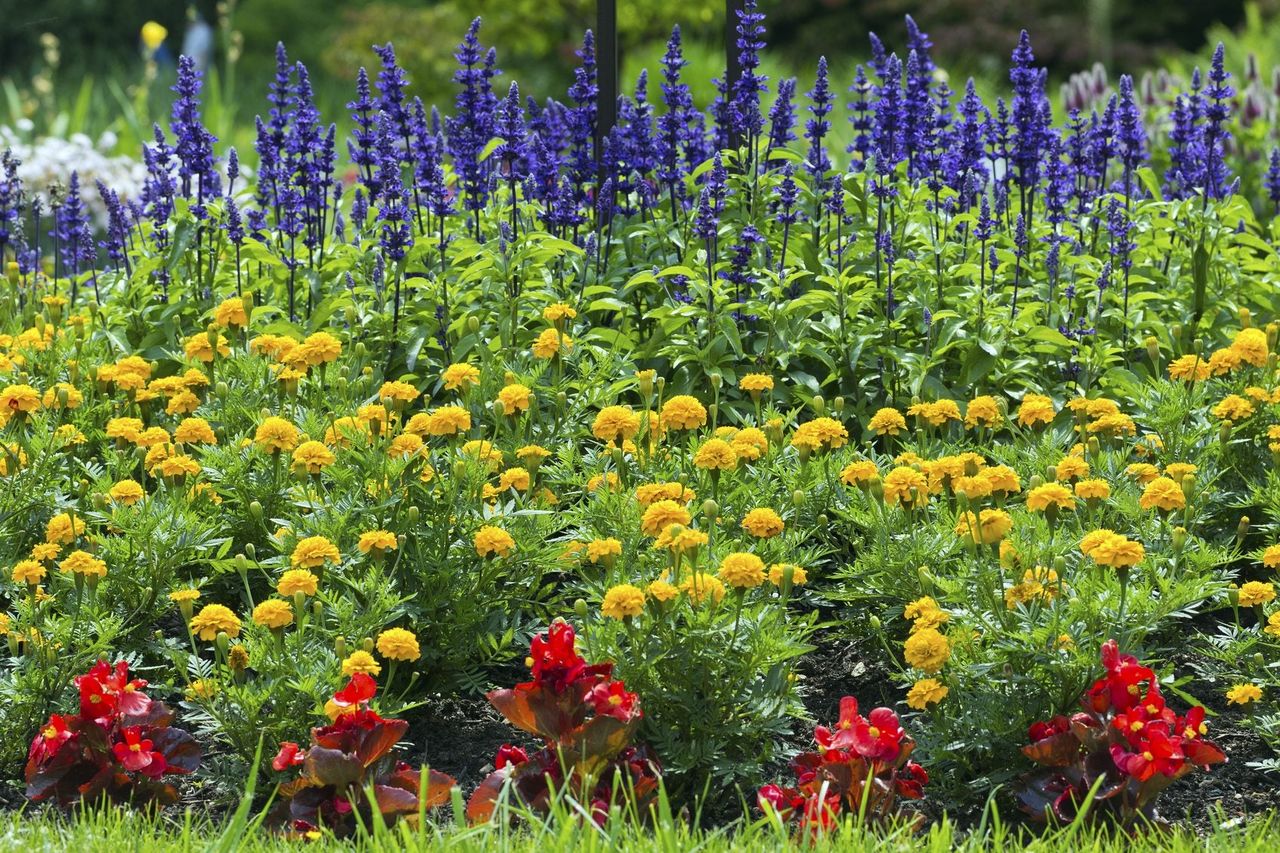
{"x": 363, "y": 141}
{"x": 816, "y": 128}
{"x": 1217, "y": 109}
{"x": 862, "y": 118}
{"x": 782, "y": 116}
{"x": 1272, "y": 180}
{"x": 1131, "y": 136}
{"x": 1027, "y": 118}
{"x": 750, "y": 85}
{"x": 888, "y": 141}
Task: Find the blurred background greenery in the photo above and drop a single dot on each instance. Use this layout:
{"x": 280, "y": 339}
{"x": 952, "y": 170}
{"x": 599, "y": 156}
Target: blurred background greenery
{"x": 97, "y": 43}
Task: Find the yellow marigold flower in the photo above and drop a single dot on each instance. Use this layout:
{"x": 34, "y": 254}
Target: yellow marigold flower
{"x": 1251, "y": 346}
{"x": 29, "y": 572}
{"x": 616, "y": 423}
{"x": 623, "y": 601}
{"x": 858, "y": 472}
{"x": 53, "y": 396}
{"x": 45, "y": 551}
{"x": 19, "y": 399}
{"x": 1055, "y": 495}
{"x": 1189, "y": 368}
{"x": 659, "y": 514}
{"x": 400, "y": 392}
{"x": 1176, "y": 471}
{"x": 702, "y": 587}
{"x": 177, "y": 465}
{"x": 181, "y": 595}
{"x": 127, "y": 492}
{"x": 742, "y": 570}
{"x": 927, "y": 650}
{"x": 532, "y": 454}
{"x": 1256, "y": 592}
{"x": 988, "y": 528}
{"x": 460, "y": 376}
{"x": 1162, "y": 494}
{"x": 762, "y": 523}
{"x": 1035, "y": 409}
{"x": 273, "y": 613}
{"x": 1116, "y": 551}
{"x": 1244, "y": 694}
{"x": 662, "y": 590}
{"x": 756, "y": 383}
{"x": 493, "y": 540}
{"x": 294, "y": 581}
{"x": 343, "y": 430}
{"x": 716, "y": 454}
{"x": 361, "y": 662}
{"x": 313, "y": 551}
{"x": 515, "y": 398}
{"x": 398, "y": 644}
{"x": 1143, "y": 472}
{"x": 1271, "y": 557}
{"x": 515, "y": 478}
{"x": 312, "y": 457}
{"x": 778, "y": 574}
{"x": 199, "y": 347}
{"x": 62, "y": 529}
{"x": 404, "y": 446}
{"x": 648, "y": 493}
{"x": 603, "y": 549}
{"x": 1233, "y": 408}
{"x": 1093, "y": 490}
{"x": 1071, "y": 468}
{"x": 1093, "y": 539}
{"x": 887, "y": 421}
{"x": 152, "y": 437}
{"x": 1223, "y": 361}
{"x": 381, "y": 540}
{"x": 983, "y": 411}
{"x": 906, "y": 486}
{"x": 926, "y": 692}
{"x": 750, "y": 443}
{"x": 214, "y": 619}
{"x": 680, "y": 539}
{"x": 683, "y": 412}
{"x": 558, "y": 311}
{"x": 1002, "y": 479}
{"x": 1273, "y": 624}
{"x": 194, "y": 431}
{"x": 321, "y": 347}
{"x": 230, "y": 312}
{"x": 936, "y": 413}
{"x": 124, "y": 429}
{"x": 550, "y": 343}
{"x": 446, "y": 420}
{"x": 276, "y": 435}
{"x": 609, "y": 481}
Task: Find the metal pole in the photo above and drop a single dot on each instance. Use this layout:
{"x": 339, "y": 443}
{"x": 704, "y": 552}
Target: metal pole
{"x": 607, "y": 59}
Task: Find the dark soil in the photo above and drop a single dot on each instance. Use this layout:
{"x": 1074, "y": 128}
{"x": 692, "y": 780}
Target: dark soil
{"x": 460, "y": 736}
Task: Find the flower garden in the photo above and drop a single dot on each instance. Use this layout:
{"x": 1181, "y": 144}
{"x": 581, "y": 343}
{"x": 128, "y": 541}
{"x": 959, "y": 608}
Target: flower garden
{"x": 480, "y": 478}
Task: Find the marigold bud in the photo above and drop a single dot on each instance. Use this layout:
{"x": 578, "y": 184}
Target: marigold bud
{"x": 367, "y": 644}
{"x": 473, "y": 324}
{"x": 838, "y": 405}
{"x": 1233, "y": 595}
{"x": 1178, "y": 539}
{"x": 360, "y": 349}
{"x": 251, "y": 551}
{"x": 716, "y": 381}
{"x": 874, "y": 622}
{"x": 1153, "y": 350}
{"x": 1035, "y": 482}
{"x": 1246, "y": 318}
{"x": 1242, "y": 529}
{"x": 413, "y": 513}
{"x": 710, "y": 509}
{"x": 819, "y": 404}
{"x": 340, "y": 647}
{"x": 797, "y": 498}
{"x": 255, "y": 511}
{"x": 580, "y": 607}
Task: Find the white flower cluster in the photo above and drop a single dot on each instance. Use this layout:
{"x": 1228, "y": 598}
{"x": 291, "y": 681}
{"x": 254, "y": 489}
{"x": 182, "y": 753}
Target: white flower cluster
{"x": 51, "y": 160}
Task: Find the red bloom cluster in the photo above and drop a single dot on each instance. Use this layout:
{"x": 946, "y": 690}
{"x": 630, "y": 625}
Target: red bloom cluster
{"x": 344, "y": 758}
{"x": 1127, "y": 734}
{"x": 861, "y": 759}
{"x": 586, "y": 720}
{"x": 120, "y": 743}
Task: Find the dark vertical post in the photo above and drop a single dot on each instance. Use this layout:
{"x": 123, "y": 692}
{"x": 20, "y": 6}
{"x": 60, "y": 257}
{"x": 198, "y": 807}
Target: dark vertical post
{"x": 732, "y": 67}
{"x": 607, "y": 59}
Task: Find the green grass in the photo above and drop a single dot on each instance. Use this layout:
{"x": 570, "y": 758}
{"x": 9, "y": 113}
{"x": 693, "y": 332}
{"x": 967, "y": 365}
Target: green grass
{"x": 120, "y": 830}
